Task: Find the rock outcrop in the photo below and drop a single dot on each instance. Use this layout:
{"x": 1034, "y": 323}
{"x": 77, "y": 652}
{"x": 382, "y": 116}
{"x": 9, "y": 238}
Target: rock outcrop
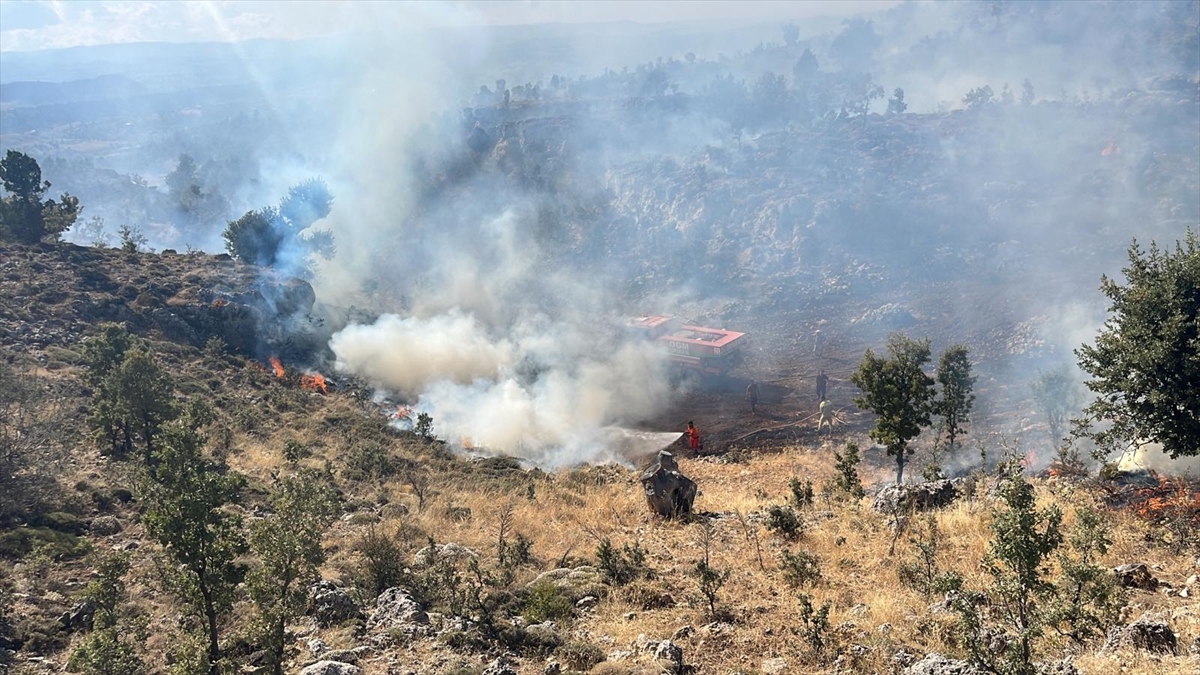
{"x": 331, "y": 668}
{"x": 1146, "y": 633}
{"x": 1136, "y": 575}
{"x": 669, "y": 493}
{"x": 936, "y": 664}
{"x": 893, "y": 498}
{"x": 329, "y": 604}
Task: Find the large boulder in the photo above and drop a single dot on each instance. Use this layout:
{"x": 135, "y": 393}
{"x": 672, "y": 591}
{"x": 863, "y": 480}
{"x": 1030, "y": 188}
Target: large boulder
{"x": 331, "y": 668}
{"x": 1146, "y": 633}
{"x": 395, "y": 608}
{"x": 499, "y": 666}
{"x": 669, "y": 493}
{"x": 1136, "y": 575}
{"x": 936, "y": 664}
{"x": 330, "y": 605}
{"x": 576, "y": 583}
{"x": 451, "y": 552}
{"x": 893, "y": 498}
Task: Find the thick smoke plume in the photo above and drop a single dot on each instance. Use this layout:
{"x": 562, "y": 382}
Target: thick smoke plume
{"x": 549, "y": 393}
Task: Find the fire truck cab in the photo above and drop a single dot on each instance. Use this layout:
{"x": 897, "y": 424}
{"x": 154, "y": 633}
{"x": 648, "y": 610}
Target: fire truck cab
{"x": 699, "y": 348}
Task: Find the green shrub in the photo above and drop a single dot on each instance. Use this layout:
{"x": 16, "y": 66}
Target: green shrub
{"x": 367, "y": 460}
{"x": 382, "y": 564}
{"x": 800, "y": 569}
{"x": 19, "y": 542}
{"x": 621, "y": 566}
{"x": 60, "y": 521}
{"x": 783, "y": 519}
{"x": 579, "y": 655}
{"x": 546, "y": 603}
{"x": 802, "y": 492}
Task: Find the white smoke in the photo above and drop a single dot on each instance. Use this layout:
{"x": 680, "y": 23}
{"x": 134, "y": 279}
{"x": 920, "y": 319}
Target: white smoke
{"x": 409, "y": 354}
{"x": 551, "y": 392}
{"x": 1151, "y": 456}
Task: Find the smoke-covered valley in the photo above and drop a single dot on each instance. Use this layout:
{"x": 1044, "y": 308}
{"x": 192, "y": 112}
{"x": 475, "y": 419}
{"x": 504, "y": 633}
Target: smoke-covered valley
{"x": 504, "y": 198}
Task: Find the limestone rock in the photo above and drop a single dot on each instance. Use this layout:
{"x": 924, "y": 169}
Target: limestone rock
{"x": 395, "y": 608}
{"x": 105, "y": 525}
{"x": 894, "y": 498}
{"x": 1136, "y": 575}
{"x": 936, "y": 664}
{"x": 669, "y": 493}
{"x": 331, "y": 668}
{"x": 499, "y": 667}
{"x": 670, "y": 652}
{"x": 329, "y": 604}
{"x": 1146, "y": 633}
{"x": 774, "y": 666}
{"x": 577, "y": 583}
{"x": 455, "y": 553}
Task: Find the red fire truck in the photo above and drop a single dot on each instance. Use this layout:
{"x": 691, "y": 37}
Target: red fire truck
{"x": 699, "y": 348}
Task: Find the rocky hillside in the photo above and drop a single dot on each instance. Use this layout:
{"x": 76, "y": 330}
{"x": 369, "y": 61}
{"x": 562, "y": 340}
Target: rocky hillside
{"x": 442, "y": 563}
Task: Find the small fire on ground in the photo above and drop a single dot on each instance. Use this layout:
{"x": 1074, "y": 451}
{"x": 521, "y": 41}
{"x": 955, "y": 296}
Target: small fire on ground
{"x": 308, "y": 381}
{"x": 1157, "y": 498}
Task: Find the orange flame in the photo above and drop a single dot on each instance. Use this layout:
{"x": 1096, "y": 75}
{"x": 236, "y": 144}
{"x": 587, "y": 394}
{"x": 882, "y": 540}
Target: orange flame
{"x": 1111, "y": 149}
{"x": 313, "y": 382}
{"x": 402, "y": 412}
{"x": 277, "y": 365}
{"x": 1029, "y": 460}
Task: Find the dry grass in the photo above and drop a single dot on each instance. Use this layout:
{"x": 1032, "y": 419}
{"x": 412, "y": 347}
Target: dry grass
{"x": 869, "y": 605}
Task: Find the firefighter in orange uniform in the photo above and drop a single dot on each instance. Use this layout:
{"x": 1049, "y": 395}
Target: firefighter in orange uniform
{"x": 693, "y": 437}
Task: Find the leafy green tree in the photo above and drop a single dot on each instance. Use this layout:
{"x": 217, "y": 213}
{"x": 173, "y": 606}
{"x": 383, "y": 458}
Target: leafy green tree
{"x": 272, "y": 237}
{"x": 1145, "y": 363}
{"x": 132, "y": 395}
{"x": 306, "y": 203}
{"x": 954, "y": 404}
{"x": 24, "y": 217}
{"x": 108, "y": 649}
{"x": 1023, "y": 539}
{"x": 806, "y": 67}
{"x": 791, "y": 33}
{"x": 183, "y": 502}
{"x": 256, "y": 237}
{"x": 103, "y": 355}
{"x": 979, "y": 97}
{"x": 899, "y": 392}
{"x": 288, "y": 545}
{"x": 1057, "y": 395}
{"x": 1088, "y": 601}
{"x": 143, "y": 393}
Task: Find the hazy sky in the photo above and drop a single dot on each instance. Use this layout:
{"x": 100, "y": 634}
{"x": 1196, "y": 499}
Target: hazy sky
{"x": 45, "y": 24}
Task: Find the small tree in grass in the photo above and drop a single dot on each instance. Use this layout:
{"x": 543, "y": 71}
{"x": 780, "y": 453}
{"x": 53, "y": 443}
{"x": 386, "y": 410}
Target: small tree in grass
{"x": 1015, "y": 607}
{"x": 899, "y": 392}
{"x": 1088, "y": 600}
{"x": 110, "y": 649}
{"x": 710, "y": 578}
{"x": 1057, "y": 396}
{"x": 288, "y": 545}
{"x": 182, "y": 502}
{"x": 845, "y": 477}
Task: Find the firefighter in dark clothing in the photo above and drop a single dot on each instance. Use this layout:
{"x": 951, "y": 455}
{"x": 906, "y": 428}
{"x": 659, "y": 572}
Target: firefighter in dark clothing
{"x": 822, "y": 385}
{"x": 752, "y": 395}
